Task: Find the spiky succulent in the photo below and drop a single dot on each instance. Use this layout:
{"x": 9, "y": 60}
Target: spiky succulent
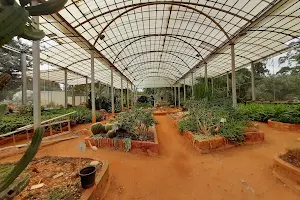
{"x": 15, "y": 19}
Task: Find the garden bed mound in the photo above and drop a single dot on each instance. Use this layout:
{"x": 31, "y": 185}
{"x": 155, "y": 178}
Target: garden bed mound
{"x": 127, "y": 142}
{"x": 284, "y": 126}
{"x": 43, "y": 170}
{"x": 286, "y": 168}
{"x": 207, "y": 144}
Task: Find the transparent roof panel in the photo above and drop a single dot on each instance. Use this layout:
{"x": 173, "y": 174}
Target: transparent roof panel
{"x": 158, "y": 43}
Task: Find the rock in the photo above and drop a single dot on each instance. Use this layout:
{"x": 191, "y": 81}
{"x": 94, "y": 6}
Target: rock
{"x": 94, "y": 163}
{"x": 37, "y": 186}
{"x": 58, "y": 175}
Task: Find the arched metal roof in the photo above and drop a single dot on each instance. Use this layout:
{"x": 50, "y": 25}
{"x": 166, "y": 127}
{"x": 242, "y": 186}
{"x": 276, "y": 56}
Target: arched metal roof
{"x": 159, "y": 43}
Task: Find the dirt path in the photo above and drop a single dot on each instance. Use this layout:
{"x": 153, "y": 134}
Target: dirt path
{"x": 181, "y": 173}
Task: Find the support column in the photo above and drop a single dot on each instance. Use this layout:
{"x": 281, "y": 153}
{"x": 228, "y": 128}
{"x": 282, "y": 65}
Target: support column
{"x": 233, "y": 78}
{"x": 175, "y": 98}
{"x": 86, "y": 90}
{"x": 212, "y": 86}
{"x": 36, "y": 77}
{"x": 193, "y": 85}
{"x": 179, "y": 96}
{"x": 131, "y": 95}
{"x": 227, "y": 89}
{"x": 112, "y": 90}
{"x": 93, "y": 87}
{"x": 73, "y": 95}
{"x": 24, "y": 78}
{"x": 205, "y": 77}
{"x": 184, "y": 92}
{"x": 122, "y": 102}
{"x": 252, "y": 82}
{"x": 127, "y": 94}
{"x": 66, "y": 85}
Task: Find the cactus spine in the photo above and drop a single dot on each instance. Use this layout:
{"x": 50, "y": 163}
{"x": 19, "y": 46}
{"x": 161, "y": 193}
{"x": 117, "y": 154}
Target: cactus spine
{"x": 4, "y": 79}
{"x": 25, "y": 160}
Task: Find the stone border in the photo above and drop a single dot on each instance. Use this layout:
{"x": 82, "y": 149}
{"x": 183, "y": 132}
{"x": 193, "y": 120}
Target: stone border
{"x": 98, "y": 191}
{"x": 287, "y": 174}
{"x": 152, "y": 148}
{"x": 283, "y": 126}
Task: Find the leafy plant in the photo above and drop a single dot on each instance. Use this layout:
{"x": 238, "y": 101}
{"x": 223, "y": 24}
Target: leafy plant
{"x": 188, "y": 124}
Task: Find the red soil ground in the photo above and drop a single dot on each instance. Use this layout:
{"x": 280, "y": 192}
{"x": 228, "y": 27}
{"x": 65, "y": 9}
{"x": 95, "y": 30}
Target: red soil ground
{"x": 182, "y": 173}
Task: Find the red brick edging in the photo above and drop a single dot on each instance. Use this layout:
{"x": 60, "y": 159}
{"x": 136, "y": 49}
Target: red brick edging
{"x": 283, "y": 126}
{"x": 219, "y": 142}
{"x": 149, "y": 147}
{"x": 287, "y": 173}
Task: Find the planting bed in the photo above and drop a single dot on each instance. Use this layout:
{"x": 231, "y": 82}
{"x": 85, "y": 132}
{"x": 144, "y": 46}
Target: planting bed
{"x": 151, "y": 146}
{"x": 287, "y": 169}
{"x": 67, "y": 186}
{"x": 283, "y": 126}
{"x": 219, "y": 142}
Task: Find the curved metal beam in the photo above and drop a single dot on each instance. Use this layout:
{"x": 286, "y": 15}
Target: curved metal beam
{"x": 145, "y": 52}
{"x": 145, "y": 69}
{"x": 164, "y": 2}
{"x": 141, "y": 37}
{"x": 145, "y": 74}
{"x": 171, "y": 3}
{"x": 154, "y": 61}
{"x": 160, "y": 76}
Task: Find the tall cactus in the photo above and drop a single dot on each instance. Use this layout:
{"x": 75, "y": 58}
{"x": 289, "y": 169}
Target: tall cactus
{"x": 4, "y": 79}
{"x": 2, "y": 110}
{"x": 15, "y": 19}
{"x": 22, "y": 164}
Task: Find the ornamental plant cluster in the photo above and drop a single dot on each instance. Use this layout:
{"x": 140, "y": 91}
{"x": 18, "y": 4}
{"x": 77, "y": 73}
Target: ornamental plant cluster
{"x": 214, "y": 117}
{"x": 133, "y": 124}
{"x": 285, "y": 113}
{"x": 24, "y": 116}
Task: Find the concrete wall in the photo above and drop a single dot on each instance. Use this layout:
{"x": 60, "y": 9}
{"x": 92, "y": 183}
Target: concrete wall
{"x": 58, "y": 98}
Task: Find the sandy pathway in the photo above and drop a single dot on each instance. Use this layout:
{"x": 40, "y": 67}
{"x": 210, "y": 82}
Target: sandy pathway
{"x": 181, "y": 173}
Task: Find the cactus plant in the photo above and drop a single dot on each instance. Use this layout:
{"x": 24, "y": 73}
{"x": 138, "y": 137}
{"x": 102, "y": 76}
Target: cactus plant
{"x": 108, "y": 127}
{"x": 25, "y": 160}
{"x": 2, "y": 110}
{"x": 15, "y": 19}
{"x": 4, "y": 79}
{"x": 111, "y": 134}
{"x": 98, "y": 128}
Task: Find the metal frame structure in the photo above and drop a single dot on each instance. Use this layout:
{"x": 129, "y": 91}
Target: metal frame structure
{"x": 152, "y": 43}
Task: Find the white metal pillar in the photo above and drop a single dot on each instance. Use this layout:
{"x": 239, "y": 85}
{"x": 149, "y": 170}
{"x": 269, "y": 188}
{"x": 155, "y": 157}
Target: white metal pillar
{"x": 227, "y": 89}
{"x": 205, "y": 77}
{"x": 184, "y": 92}
{"x": 24, "y": 78}
{"x": 179, "y": 96}
{"x": 122, "y": 102}
{"x": 66, "y": 85}
{"x": 86, "y": 90}
{"x": 112, "y": 90}
{"x": 212, "y": 86}
{"x": 193, "y": 85}
{"x": 252, "y": 82}
{"x": 93, "y": 87}
{"x": 233, "y": 78}
{"x": 175, "y": 98}
{"x": 36, "y": 77}
{"x": 127, "y": 94}
{"x": 73, "y": 95}
{"x": 131, "y": 95}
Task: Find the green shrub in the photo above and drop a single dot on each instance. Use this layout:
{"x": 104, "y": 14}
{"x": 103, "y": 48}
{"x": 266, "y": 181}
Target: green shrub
{"x": 233, "y": 131}
{"x": 285, "y": 113}
{"x": 188, "y": 124}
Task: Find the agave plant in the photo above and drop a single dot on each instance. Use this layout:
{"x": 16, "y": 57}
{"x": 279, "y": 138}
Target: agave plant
{"x": 15, "y": 19}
